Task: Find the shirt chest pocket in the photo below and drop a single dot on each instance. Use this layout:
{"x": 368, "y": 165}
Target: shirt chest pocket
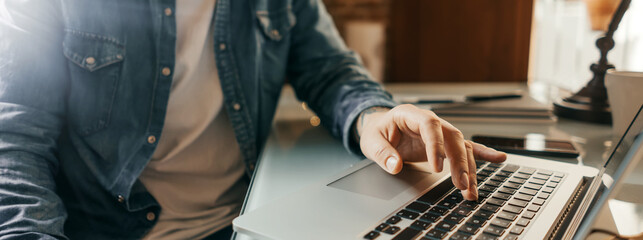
{"x": 276, "y": 24}
{"x": 95, "y": 64}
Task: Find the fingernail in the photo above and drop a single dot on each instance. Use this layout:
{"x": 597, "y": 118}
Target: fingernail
{"x": 464, "y": 180}
{"x": 439, "y": 164}
{"x": 391, "y": 162}
{"x": 474, "y": 190}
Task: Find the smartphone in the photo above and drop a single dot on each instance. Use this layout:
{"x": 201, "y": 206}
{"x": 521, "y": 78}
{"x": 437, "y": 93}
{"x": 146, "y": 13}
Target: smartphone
{"x": 535, "y": 145}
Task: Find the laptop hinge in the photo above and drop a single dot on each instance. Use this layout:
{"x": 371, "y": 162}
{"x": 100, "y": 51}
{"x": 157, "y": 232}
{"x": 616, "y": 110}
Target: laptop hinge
{"x": 564, "y": 223}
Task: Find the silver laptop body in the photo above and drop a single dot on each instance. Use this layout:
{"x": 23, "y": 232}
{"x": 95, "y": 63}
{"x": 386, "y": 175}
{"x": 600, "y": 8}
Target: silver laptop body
{"x": 365, "y": 202}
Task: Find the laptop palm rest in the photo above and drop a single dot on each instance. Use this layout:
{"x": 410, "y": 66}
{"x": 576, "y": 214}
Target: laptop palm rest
{"x": 375, "y": 182}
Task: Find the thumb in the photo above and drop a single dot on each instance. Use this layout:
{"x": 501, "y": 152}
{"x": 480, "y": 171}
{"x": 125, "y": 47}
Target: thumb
{"x": 378, "y": 149}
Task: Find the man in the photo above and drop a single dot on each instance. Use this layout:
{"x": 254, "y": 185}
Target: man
{"x": 118, "y": 119}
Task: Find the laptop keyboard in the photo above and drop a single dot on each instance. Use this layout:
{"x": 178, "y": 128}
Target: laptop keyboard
{"x": 509, "y": 199}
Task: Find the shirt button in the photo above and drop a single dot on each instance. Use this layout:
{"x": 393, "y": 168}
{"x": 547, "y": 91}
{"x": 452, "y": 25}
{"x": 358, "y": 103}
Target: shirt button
{"x": 236, "y": 107}
{"x": 121, "y": 199}
{"x": 150, "y": 216}
{"x": 222, "y": 46}
{"x": 168, "y": 12}
{"x": 166, "y": 71}
{"x": 90, "y": 60}
{"x": 275, "y": 32}
{"x": 151, "y": 139}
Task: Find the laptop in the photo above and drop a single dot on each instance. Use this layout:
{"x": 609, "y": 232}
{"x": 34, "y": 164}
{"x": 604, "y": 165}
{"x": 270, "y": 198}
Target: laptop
{"x": 522, "y": 198}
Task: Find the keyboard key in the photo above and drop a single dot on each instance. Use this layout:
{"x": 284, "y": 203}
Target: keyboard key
{"x": 557, "y": 174}
{"x": 447, "y": 204}
{"x": 529, "y": 215}
{"x": 485, "y": 173}
{"x": 460, "y": 236}
{"x": 502, "y": 196}
{"x": 438, "y": 210}
{"x": 517, "y": 230}
{"x": 541, "y": 177}
{"x": 521, "y": 176}
{"x": 445, "y": 226}
{"x": 513, "y": 209}
{"x": 518, "y": 203}
{"x": 507, "y": 215}
{"x": 498, "y": 178}
{"x": 533, "y": 208}
{"x": 408, "y": 214}
{"x": 511, "y": 168}
{"x": 512, "y": 185}
{"x": 476, "y": 222}
{"x": 421, "y": 225}
{"x": 393, "y": 220}
{"x": 487, "y": 187}
{"x": 483, "y": 215}
{"x": 533, "y": 186}
{"x": 556, "y": 180}
{"x": 523, "y": 222}
{"x": 548, "y": 190}
{"x": 523, "y": 197}
{"x": 496, "y": 201}
{"x": 486, "y": 237}
{"x": 496, "y": 231}
{"x": 418, "y": 206}
{"x": 372, "y": 235}
{"x": 432, "y": 196}
{"x": 454, "y": 218}
{"x": 436, "y": 234}
{"x": 539, "y": 201}
{"x": 480, "y": 179}
{"x": 495, "y": 165}
{"x": 381, "y": 227}
{"x": 503, "y": 174}
{"x": 429, "y": 217}
{"x": 514, "y": 179}
{"x": 543, "y": 195}
{"x": 527, "y": 170}
{"x": 500, "y": 223}
{"x": 490, "y": 208}
{"x": 494, "y": 183}
{"x": 407, "y": 234}
{"x": 537, "y": 181}
{"x": 552, "y": 185}
{"x": 455, "y": 197}
{"x": 545, "y": 172}
{"x": 461, "y": 210}
{"x": 479, "y": 164}
{"x": 469, "y": 229}
{"x": 528, "y": 191}
{"x": 469, "y": 204}
{"x": 511, "y": 237}
{"x": 483, "y": 194}
{"x": 392, "y": 230}
{"x": 507, "y": 190}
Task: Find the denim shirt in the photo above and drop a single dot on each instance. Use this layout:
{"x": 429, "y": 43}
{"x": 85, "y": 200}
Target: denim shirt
{"x": 84, "y": 86}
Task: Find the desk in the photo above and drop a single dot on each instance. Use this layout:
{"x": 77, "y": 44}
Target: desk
{"x": 298, "y": 154}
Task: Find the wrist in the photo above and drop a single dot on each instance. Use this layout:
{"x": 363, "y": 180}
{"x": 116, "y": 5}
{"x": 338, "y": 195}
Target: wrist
{"x": 366, "y": 116}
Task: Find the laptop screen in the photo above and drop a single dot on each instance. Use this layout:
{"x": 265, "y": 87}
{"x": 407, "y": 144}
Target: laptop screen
{"x": 613, "y": 170}
{"x": 623, "y": 146}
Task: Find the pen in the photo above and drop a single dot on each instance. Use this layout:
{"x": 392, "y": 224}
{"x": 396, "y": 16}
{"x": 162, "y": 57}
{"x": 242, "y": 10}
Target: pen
{"x": 467, "y": 98}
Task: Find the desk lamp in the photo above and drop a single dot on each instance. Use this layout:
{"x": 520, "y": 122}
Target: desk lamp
{"x": 590, "y": 103}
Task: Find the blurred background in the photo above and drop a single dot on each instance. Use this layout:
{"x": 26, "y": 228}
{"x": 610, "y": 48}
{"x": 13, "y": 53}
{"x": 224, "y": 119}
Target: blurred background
{"x": 550, "y": 41}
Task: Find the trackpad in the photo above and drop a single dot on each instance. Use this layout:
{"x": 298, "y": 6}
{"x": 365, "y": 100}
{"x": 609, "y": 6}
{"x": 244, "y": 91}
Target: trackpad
{"x": 375, "y": 182}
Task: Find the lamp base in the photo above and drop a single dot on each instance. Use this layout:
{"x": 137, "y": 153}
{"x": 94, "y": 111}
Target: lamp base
{"x": 581, "y": 108}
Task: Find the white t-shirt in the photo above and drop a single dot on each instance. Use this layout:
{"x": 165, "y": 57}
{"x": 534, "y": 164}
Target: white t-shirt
{"x": 196, "y": 169}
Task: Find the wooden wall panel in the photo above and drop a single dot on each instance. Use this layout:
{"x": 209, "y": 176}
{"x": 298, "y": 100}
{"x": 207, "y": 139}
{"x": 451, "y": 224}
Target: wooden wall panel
{"x": 459, "y": 41}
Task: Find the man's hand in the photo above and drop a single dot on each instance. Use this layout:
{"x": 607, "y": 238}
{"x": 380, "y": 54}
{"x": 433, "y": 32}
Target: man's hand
{"x": 409, "y": 134}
